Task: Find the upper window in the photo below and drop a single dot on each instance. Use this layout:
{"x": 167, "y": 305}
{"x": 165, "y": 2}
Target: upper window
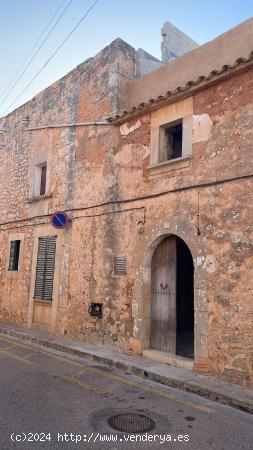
{"x": 40, "y": 179}
{"x": 171, "y": 140}
{"x": 43, "y": 179}
{"x": 171, "y": 136}
{"x": 14, "y": 255}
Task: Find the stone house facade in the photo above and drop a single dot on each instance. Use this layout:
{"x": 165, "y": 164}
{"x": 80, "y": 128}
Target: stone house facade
{"x": 155, "y": 175}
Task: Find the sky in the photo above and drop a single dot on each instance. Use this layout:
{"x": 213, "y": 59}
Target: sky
{"x": 138, "y": 22}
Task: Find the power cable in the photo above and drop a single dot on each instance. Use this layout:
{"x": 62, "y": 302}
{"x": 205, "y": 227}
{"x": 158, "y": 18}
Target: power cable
{"x": 142, "y": 197}
{"x": 13, "y": 84}
{"x": 10, "y": 85}
{"x": 53, "y": 54}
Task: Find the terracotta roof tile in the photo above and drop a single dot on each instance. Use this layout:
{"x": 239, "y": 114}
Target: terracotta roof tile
{"x": 223, "y": 54}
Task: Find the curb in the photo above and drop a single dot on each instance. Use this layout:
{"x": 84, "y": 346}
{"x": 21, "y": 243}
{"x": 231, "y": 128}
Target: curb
{"x": 194, "y": 388}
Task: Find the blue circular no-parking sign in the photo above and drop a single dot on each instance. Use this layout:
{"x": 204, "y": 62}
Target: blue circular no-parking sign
{"x": 59, "y": 220}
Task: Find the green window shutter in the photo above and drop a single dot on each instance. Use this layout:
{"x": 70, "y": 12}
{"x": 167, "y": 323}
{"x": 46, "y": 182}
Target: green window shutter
{"x": 45, "y": 268}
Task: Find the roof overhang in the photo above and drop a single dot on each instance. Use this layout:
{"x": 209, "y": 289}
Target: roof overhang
{"x": 241, "y": 65}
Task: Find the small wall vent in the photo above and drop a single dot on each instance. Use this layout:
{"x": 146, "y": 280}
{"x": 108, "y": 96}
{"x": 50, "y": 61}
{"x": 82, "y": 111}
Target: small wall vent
{"x": 120, "y": 265}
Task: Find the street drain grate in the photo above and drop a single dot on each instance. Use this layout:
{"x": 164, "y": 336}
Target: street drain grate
{"x": 131, "y": 423}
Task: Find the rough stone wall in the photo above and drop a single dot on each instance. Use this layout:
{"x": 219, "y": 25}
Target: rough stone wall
{"x": 96, "y": 172}
{"x": 222, "y": 149}
{"x": 14, "y": 288}
{"x": 87, "y": 93}
{"x": 118, "y": 170}
{"x": 227, "y": 224}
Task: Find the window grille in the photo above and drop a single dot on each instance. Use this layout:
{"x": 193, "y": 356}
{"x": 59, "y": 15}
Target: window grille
{"x": 120, "y": 265}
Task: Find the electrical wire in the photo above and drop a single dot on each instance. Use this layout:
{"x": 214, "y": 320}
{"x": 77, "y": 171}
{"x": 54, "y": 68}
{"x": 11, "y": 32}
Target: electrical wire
{"x": 13, "y": 83}
{"x": 140, "y": 198}
{"x": 35, "y": 45}
{"x": 53, "y": 54}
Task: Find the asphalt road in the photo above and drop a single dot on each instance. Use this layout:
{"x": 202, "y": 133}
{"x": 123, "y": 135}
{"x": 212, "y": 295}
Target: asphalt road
{"x": 50, "y": 400}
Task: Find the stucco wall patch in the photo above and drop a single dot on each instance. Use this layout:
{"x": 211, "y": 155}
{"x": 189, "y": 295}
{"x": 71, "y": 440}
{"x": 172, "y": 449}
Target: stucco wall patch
{"x": 202, "y": 126}
{"x": 209, "y": 264}
{"x": 125, "y": 129}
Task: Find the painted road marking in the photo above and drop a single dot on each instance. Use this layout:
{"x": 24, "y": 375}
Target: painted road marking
{"x": 122, "y": 380}
{"x": 30, "y": 355}
{"x": 84, "y": 384}
{"x": 17, "y": 344}
{"x": 8, "y": 347}
{"x": 18, "y": 358}
{"x": 70, "y": 378}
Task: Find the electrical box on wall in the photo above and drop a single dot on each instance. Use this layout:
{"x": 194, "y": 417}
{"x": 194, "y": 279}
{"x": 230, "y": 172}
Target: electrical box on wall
{"x": 95, "y": 309}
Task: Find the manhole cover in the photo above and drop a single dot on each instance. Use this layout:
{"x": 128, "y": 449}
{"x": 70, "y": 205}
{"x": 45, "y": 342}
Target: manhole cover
{"x": 131, "y": 423}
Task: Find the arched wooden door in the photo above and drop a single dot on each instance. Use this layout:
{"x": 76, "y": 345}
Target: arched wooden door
{"x": 163, "y": 305}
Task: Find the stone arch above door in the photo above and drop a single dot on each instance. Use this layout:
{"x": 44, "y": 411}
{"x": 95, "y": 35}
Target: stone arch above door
{"x": 154, "y": 234}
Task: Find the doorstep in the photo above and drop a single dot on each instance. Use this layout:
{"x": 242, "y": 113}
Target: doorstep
{"x": 169, "y": 358}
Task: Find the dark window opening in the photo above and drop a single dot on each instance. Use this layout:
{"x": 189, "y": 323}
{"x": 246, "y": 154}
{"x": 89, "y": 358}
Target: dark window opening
{"x": 14, "y": 255}
{"x": 43, "y": 179}
{"x": 171, "y": 138}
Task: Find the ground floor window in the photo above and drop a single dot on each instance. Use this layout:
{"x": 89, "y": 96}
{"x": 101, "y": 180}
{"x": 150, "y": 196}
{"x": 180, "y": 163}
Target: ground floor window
{"x": 45, "y": 268}
{"x": 14, "y": 255}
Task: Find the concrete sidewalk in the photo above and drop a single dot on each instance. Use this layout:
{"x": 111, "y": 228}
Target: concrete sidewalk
{"x": 207, "y": 386}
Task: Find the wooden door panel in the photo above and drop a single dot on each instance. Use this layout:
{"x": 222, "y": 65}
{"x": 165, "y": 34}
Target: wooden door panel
{"x": 163, "y": 307}
{"x": 38, "y": 313}
{"x": 42, "y": 314}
